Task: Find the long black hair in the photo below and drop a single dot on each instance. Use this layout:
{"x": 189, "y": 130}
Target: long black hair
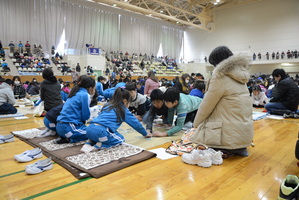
{"x": 117, "y": 103}
{"x": 84, "y": 82}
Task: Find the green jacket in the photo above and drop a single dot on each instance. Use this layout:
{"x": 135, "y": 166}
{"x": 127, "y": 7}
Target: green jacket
{"x": 186, "y": 105}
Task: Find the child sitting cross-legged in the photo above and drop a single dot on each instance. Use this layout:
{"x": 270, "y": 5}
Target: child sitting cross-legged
{"x": 102, "y": 131}
{"x": 185, "y": 107}
{"x": 259, "y": 98}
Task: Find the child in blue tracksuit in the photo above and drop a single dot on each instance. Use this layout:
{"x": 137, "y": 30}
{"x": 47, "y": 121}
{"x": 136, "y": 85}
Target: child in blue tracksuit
{"x": 102, "y": 131}
{"x": 71, "y": 121}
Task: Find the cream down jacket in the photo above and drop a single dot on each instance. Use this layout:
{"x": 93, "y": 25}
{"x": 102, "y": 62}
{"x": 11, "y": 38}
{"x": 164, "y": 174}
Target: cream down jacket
{"x": 224, "y": 118}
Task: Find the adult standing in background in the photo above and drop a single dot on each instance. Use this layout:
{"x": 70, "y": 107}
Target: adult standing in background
{"x": 78, "y": 68}
{"x": 20, "y": 47}
{"x": 224, "y": 117}
{"x": 151, "y": 83}
{"x": 27, "y": 47}
{"x": 50, "y": 90}
{"x": 11, "y": 47}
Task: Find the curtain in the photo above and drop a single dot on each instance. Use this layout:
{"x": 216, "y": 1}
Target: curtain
{"x": 171, "y": 41}
{"x": 86, "y": 25}
{"x": 36, "y": 21}
{"x": 139, "y": 36}
{"x": 43, "y": 21}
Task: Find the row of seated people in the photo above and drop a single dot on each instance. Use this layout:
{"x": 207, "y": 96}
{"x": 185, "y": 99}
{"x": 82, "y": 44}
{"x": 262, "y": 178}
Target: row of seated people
{"x": 4, "y": 66}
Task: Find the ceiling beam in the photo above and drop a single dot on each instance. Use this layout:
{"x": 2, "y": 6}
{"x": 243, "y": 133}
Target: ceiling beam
{"x": 204, "y": 21}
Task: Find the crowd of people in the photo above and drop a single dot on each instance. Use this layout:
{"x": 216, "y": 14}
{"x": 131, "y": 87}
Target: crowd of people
{"x": 289, "y": 55}
{"x": 219, "y": 110}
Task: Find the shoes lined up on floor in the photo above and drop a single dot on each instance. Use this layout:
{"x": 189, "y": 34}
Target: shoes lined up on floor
{"x": 37, "y": 167}
{"x": 203, "y": 158}
{"x": 289, "y": 188}
{"x": 6, "y": 138}
{"x": 29, "y": 155}
{"x": 291, "y": 115}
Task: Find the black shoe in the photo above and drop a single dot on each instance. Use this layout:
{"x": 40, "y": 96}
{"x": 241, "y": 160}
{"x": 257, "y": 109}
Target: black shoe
{"x": 289, "y": 188}
{"x": 62, "y": 140}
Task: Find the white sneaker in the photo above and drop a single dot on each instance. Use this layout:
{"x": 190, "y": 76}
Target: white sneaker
{"x": 39, "y": 166}
{"x": 47, "y": 133}
{"x": 6, "y": 138}
{"x": 198, "y": 157}
{"x": 216, "y": 156}
{"x": 29, "y": 155}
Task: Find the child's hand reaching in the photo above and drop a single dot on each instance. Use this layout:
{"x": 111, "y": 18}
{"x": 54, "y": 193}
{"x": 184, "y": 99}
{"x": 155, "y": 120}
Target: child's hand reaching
{"x": 149, "y": 135}
{"x": 159, "y": 134}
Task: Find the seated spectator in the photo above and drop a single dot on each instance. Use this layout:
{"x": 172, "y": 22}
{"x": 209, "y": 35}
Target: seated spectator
{"x": 285, "y": 95}
{"x": 259, "y": 98}
{"x": 7, "y": 99}
{"x": 34, "y": 89}
{"x": 2, "y": 53}
{"x": 182, "y": 85}
{"x": 140, "y": 87}
{"x": 18, "y": 89}
{"x": 66, "y": 87}
{"x": 16, "y": 55}
{"x": 198, "y": 89}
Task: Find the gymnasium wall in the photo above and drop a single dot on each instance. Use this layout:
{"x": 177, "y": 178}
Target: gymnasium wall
{"x": 266, "y": 25}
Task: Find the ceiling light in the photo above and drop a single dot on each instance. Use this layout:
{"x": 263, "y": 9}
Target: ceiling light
{"x": 114, "y": 5}
{"x": 177, "y": 22}
{"x": 125, "y": 0}
{"x": 161, "y": 11}
{"x": 215, "y": 3}
{"x": 218, "y": 1}
{"x": 286, "y": 64}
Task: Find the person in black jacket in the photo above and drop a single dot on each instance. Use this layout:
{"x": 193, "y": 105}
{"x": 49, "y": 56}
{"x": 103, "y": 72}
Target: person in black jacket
{"x": 285, "y": 94}
{"x": 50, "y": 90}
{"x": 158, "y": 108}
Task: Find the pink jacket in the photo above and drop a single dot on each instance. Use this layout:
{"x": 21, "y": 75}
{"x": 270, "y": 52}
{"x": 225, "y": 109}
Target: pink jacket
{"x": 150, "y": 85}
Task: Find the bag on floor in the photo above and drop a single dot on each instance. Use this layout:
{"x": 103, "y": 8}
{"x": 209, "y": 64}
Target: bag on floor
{"x": 38, "y": 111}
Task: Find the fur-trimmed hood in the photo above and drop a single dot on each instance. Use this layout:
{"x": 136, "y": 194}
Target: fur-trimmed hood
{"x": 235, "y": 67}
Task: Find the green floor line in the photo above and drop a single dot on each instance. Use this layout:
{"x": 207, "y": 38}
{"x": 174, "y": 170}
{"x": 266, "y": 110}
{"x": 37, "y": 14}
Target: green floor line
{"x": 2, "y": 176}
{"x": 16, "y": 123}
{"x": 57, "y": 188}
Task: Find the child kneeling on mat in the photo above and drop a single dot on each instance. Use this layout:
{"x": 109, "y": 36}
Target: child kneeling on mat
{"x": 102, "y": 131}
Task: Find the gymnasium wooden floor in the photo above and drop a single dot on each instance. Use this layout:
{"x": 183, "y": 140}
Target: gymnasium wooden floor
{"x": 255, "y": 177}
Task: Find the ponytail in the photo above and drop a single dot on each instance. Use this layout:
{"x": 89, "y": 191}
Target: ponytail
{"x": 84, "y": 82}
{"x": 117, "y": 103}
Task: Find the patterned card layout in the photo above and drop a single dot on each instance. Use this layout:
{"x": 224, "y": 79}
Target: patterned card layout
{"x": 29, "y": 133}
{"x": 104, "y": 156}
{"x": 52, "y": 146}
